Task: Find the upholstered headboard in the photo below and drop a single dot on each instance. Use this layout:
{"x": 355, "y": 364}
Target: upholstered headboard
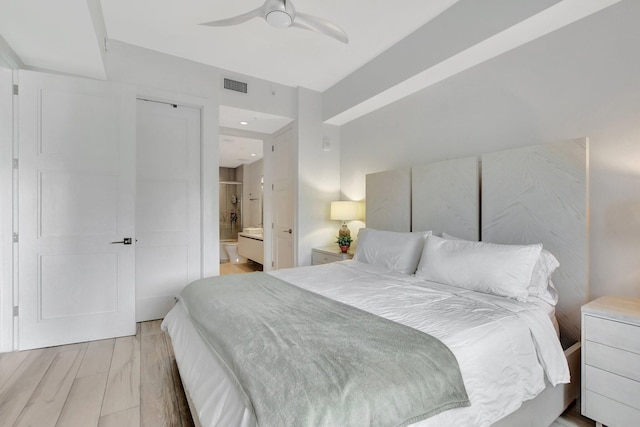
{"x": 446, "y": 198}
{"x": 535, "y": 194}
{"x": 538, "y": 194}
{"x": 388, "y": 200}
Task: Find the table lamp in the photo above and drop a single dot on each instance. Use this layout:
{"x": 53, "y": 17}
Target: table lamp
{"x": 345, "y": 211}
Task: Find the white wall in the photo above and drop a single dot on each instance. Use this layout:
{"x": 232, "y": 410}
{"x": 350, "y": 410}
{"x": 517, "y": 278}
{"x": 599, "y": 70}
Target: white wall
{"x": 318, "y": 176}
{"x": 579, "y": 81}
{"x": 166, "y": 78}
{"x": 262, "y": 96}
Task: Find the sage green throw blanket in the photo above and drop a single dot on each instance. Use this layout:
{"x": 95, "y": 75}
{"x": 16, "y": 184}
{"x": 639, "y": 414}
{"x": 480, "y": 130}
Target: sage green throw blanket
{"x": 301, "y": 359}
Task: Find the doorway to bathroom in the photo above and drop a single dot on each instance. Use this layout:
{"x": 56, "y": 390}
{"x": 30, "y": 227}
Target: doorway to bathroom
{"x": 241, "y": 177}
{"x": 246, "y": 172}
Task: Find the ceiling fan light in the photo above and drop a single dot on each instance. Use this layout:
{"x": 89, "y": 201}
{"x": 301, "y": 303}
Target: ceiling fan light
{"x": 279, "y": 19}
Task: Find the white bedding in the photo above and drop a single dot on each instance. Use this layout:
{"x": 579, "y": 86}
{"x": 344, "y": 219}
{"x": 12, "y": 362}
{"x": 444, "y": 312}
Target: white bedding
{"x": 491, "y": 337}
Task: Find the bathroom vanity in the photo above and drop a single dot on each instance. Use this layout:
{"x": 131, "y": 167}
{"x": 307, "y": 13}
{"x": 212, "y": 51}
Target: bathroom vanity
{"x": 251, "y": 244}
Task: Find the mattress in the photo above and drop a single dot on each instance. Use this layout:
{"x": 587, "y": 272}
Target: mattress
{"x": 505, "y": 348}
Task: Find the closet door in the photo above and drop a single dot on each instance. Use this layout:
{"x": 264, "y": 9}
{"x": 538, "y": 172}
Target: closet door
{"x": 168, "y": 220}
{"x": 76, "y": 200}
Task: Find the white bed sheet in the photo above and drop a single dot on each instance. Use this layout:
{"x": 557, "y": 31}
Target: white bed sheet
{"x": 491, "y": 337}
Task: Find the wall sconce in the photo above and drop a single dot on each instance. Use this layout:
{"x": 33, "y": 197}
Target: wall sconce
{"x": 346, "y": 211}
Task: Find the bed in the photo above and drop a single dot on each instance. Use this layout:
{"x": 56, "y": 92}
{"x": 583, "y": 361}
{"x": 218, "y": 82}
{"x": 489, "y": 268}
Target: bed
{"x": 504, "y": 340}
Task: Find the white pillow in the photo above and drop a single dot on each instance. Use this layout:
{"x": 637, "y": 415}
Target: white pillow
{"x": 550, "y": 295}
{"x": 394, "y": 250}
{"x": 503, "y": 270}
{"x": 540, "y": 285}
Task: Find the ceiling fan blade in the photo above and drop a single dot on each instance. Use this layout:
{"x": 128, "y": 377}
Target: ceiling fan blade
{"x": 313, "y": 23}
{"x": 256, "y": 13}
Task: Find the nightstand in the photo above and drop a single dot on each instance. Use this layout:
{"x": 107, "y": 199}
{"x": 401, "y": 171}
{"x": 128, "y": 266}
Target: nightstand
{"x": 328, "y": 254}
{"x": 611, "y": 361}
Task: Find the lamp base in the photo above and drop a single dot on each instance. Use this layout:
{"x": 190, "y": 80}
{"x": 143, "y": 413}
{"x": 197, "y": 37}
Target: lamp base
{"x": 344, "y": 230}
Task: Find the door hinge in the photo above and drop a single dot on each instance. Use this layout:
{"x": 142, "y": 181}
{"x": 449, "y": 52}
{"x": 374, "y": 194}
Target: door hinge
{"x": 272, "y": 226}
{"x": 273, "y": 148}
{"x": 273, "y": 264}
{"x": 15, "y": 163}
{"x": 15, "y": 89}
{"x": 273, "y": 187}
{"x": 16, "y": 311}
{"x": 15, "y": 237}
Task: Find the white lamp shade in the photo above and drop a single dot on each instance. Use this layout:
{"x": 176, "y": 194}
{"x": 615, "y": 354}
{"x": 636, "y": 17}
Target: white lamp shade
{"x": 346, "y": 210}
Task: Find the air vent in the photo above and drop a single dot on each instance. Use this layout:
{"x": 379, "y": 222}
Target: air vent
{"x": 235, "y": 85}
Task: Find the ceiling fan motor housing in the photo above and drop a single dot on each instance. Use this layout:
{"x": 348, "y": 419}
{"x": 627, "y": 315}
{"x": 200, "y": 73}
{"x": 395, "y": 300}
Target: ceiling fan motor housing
{"x": 280, "y": 13}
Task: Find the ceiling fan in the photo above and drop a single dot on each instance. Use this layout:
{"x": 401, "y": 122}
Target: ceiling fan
{"x": 282, "y": 14}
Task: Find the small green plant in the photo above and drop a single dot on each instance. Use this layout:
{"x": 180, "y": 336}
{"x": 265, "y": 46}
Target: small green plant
{"x": 344, "y": 240}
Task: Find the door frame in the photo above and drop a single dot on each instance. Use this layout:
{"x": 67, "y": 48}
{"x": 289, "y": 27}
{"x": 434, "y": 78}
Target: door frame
{"x": 267, "y": 141}
{"x": 209, "y": 177}
{"x": 8, "y": 140}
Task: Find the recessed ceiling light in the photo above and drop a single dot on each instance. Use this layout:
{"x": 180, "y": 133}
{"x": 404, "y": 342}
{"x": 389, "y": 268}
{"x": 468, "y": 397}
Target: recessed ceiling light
{"x": 244, "y": 123}
{"x": 253, "y": 154}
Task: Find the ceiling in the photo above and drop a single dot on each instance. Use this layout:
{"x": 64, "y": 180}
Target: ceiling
{"x": 238, "y": 150}
{"x": 68, "y": 36}
{"x": 291, "y": 56}
{"x": 251, "y": 121}
{"x": 239, "y": 134}
{"x": 60, "y": 36}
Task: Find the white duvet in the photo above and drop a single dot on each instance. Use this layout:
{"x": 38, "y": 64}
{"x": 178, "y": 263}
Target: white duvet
{"x": 504, "y": 347}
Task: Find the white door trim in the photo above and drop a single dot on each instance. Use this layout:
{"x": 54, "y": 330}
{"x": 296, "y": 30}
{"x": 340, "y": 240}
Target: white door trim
{"x": 7, "y": 143}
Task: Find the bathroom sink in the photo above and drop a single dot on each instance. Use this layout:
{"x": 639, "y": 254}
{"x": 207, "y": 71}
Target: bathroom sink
{"x": 252, "y": 230}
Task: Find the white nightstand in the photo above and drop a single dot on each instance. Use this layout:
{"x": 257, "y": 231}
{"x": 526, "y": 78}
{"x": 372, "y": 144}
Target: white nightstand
{"x": 611, "y": 361}
{"x": 328, "y": 254}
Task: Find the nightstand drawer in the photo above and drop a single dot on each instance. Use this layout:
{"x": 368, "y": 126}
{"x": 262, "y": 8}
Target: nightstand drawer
{"x": 322, "y": 258}
{"x": 613, "y": 386}
{"x": 612, "y": 333}
{"x": 328, "y": 254}
{"x": 613, "y": 360}
{"x": 609, "y": 411}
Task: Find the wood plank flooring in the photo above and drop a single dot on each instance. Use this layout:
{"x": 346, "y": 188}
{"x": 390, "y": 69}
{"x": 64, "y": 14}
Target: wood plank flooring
{"x": 123, "y": 382}
{"x": 228, "y": 268}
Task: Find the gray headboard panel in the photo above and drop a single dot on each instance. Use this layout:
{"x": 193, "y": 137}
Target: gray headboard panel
{"x": 538, "y": 194}
{"x": 446, "y": 197}
{"x": 388, "y": 200}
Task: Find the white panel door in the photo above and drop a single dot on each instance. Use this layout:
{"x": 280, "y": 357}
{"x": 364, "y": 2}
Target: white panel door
{"x": 168, "y": 227}
{"x": 76, "y": 196}
{"x": 283, "y": 213}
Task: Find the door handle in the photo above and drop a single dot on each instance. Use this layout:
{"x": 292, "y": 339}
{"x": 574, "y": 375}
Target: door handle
{"x": 287, "y": 231}
{"x": 125, "y": 241}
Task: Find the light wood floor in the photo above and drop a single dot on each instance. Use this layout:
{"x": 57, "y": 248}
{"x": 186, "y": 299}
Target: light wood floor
{"x": 228, "y": 268}
{"x": 123, "y": 382}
